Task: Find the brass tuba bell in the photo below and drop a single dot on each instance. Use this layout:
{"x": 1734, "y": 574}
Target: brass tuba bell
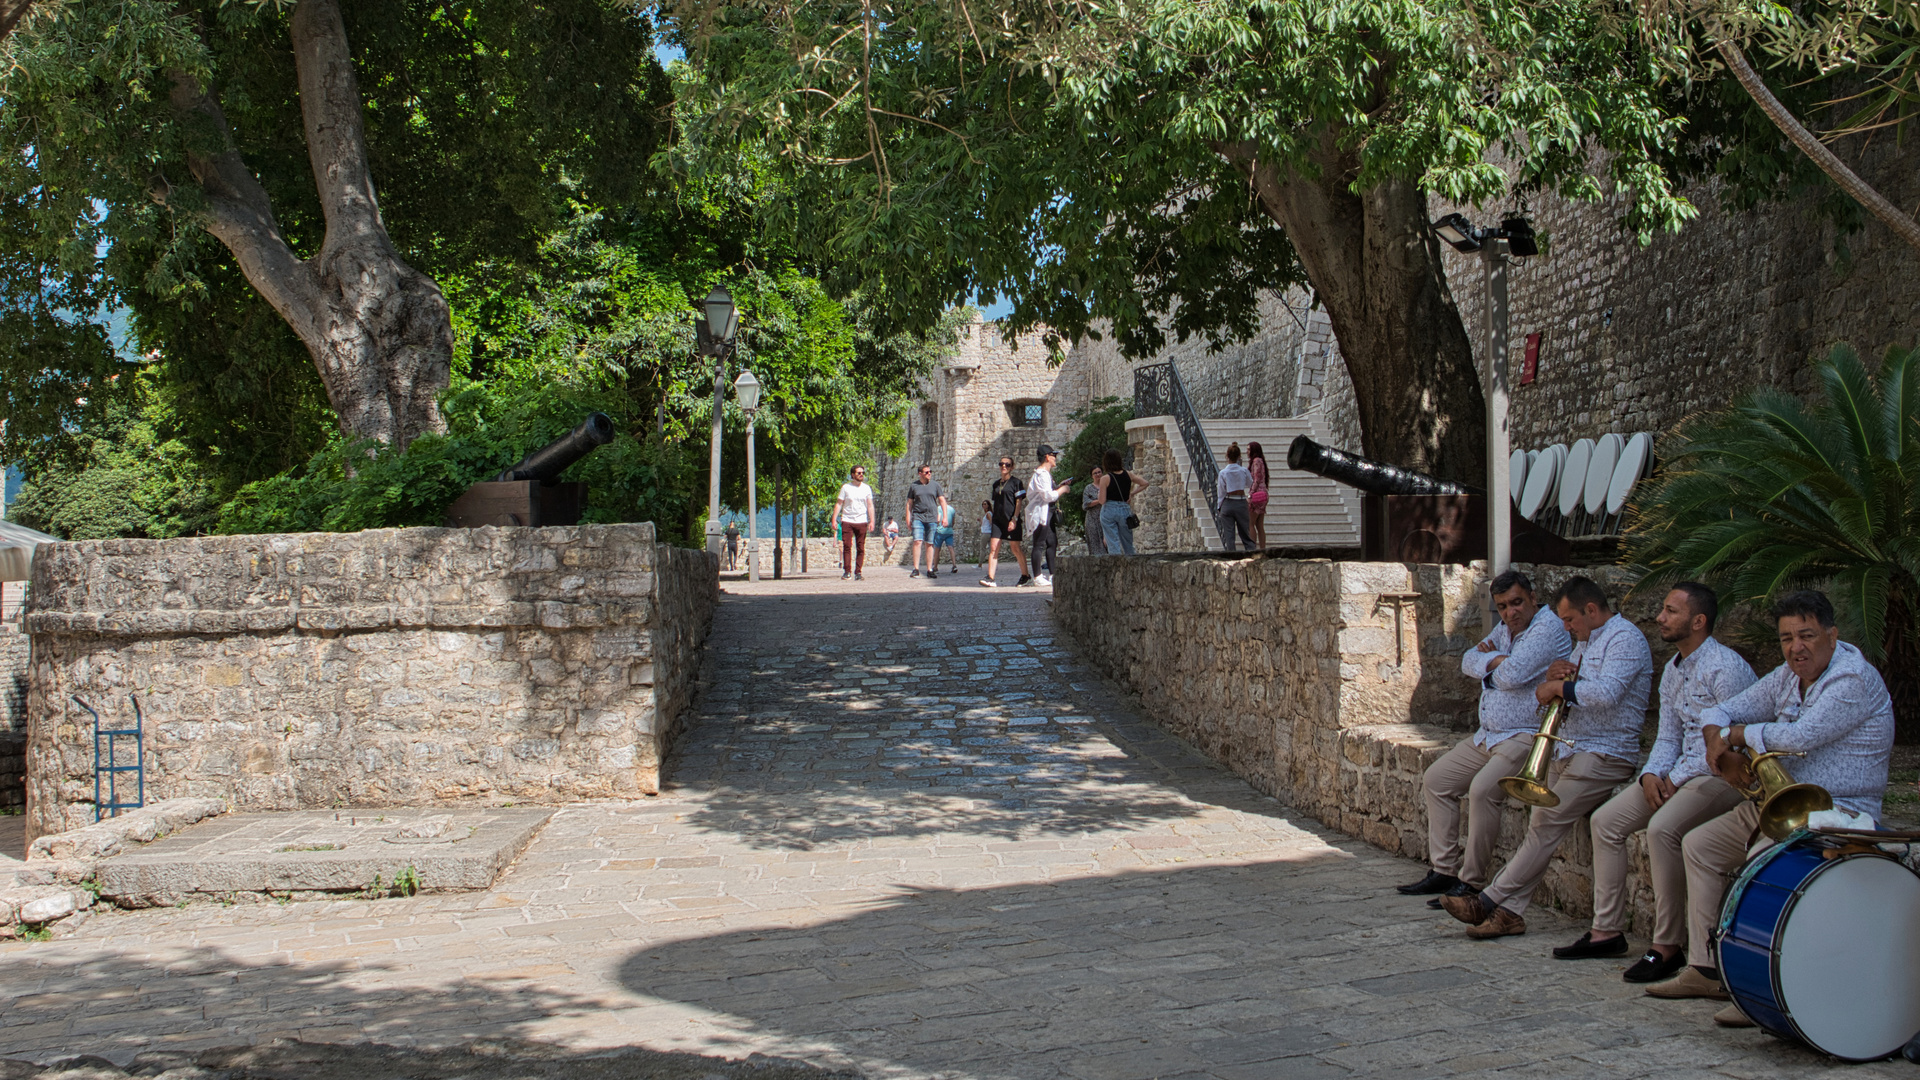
{"x": 1784, "y": 804}
{"x": 1529, "y": 785}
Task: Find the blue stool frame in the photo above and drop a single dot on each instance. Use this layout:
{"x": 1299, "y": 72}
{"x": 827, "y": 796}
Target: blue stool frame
{"x": 106, "y": 763}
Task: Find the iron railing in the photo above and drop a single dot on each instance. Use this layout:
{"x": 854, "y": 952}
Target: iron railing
{"x": 1158, "y": 391}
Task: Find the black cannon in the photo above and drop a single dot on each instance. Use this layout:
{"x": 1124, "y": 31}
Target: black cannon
{"x": 1370, "y": 476}
{"x": 1408, "y": 516}
{"x": 530, "y": 493}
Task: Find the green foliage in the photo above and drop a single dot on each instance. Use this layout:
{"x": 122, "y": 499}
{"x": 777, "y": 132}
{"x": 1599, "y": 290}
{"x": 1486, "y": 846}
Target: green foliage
{"x": 1073, "y": 159}
{"x": 123, "y": 477}
{"x": 1105, "y": 428}
{"x": 1777, "y": 494}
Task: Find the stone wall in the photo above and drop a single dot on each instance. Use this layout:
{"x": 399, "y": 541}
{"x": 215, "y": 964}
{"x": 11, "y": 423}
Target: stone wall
{"x": 396, "y": 666}
{"x": 1298, "y": 675}
{"x": 14, "y": 652}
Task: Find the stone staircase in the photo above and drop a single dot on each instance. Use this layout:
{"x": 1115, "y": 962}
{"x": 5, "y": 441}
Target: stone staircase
{"x": 1303, "y": 510}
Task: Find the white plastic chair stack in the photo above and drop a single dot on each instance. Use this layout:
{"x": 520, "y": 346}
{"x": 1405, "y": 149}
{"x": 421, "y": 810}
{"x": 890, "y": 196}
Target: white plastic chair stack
{"x": 1580, "y": 490}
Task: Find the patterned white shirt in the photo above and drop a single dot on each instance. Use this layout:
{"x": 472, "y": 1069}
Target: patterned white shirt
{"x": 1607, "y": 703}
{"x": 1689, "y": 686}
{"x": 1843, "y": 723}
{"x": 1507, "y": 707}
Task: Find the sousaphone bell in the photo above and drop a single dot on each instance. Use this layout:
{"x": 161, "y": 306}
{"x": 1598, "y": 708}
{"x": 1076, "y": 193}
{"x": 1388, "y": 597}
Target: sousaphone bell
{"x": 1529, "y": 785}
{"x": 1784, "y": 804}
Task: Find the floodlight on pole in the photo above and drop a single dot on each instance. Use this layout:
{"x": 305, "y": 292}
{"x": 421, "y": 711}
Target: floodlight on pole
{"x": 1457, "y": 231}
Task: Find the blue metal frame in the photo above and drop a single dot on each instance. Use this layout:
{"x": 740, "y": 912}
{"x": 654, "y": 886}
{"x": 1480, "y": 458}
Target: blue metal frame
{"x": 107, "y": 764}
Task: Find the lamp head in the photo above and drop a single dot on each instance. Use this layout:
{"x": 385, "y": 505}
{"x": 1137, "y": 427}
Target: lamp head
{"x": 1458, "y": 232}
{"x": 723, "y": 319}
{"x": 1519, "y": 233}
{"x": 746, "y": 390}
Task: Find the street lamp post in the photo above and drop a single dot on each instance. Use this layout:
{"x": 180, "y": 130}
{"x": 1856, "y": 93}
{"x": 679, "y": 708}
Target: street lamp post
{"x": 1514, "y": 236}
{"x": 746, "y": 390}
{"x": 715, "y": 331}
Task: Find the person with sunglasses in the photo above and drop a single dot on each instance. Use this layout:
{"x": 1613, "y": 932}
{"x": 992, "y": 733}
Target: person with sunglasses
{"x": 1009, "y": 494}
{"x": 855, "y": 512}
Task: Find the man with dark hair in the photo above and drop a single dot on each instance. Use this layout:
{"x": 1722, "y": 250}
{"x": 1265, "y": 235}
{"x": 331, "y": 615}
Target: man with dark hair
{"x": 1606, "y": 694}
{"x": 1009, "y": 498}
{"x": 1825, "y": 702}
{"x": 1508, "y": 664}
{"x": 925, "y": 499}
{"x": 1676, "y": 792}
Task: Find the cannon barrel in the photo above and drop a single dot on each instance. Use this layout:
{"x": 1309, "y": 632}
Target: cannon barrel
{"x": 1373, "y": 477}
{"x": 547, "y": 463}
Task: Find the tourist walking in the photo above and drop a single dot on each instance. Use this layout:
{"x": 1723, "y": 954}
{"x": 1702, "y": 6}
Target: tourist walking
{"x": 1117, "y": 488}
{"x": 733, "y": 544}
{"x": 855, "y": 513}
{"x": 925, "y": 500}
{"x": 1230, "y": 504}
{"x": 1090, "y": 514}
{"x": 1257, "y": 498}
{"x": 1042, "y": 493}
{"x": 986, "y": 530}
{"x": 1003, "y": 512}
{"x": 943, "y": 537}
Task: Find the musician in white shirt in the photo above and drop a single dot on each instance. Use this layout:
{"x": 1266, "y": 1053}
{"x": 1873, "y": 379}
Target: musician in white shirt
{"x": 1675, "y": 793}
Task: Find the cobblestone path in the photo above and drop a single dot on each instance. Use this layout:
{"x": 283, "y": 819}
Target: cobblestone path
{"x": 909, "y": 834}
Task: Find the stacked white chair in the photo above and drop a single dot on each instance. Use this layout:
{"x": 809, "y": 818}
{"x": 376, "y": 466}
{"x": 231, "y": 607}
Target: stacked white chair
{"x": 1580, "y": 490}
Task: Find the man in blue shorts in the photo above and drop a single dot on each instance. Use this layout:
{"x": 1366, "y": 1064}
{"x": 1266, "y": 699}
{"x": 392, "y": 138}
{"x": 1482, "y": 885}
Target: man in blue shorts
{"x": 925, "y": 500}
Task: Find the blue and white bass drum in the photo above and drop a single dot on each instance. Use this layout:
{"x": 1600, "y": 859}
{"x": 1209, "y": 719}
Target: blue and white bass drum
{"x": 1822, "y": 946}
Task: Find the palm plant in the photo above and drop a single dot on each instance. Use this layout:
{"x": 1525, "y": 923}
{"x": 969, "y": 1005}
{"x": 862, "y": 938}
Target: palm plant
{"x": 1777, "y": 493}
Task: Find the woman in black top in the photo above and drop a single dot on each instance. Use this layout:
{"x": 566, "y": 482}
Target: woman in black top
{"x": 1117, "y": 487}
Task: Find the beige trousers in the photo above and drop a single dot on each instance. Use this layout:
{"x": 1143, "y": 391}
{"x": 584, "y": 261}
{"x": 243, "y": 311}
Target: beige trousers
{"x": 1471, "y": 773}
{"x": 1583, "y": 782}
{"x": 1700, "y": 799}
{"x": 1714, "y": 854}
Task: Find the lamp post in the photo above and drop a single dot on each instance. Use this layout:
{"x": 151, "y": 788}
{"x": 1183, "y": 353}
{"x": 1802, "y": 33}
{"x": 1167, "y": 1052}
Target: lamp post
{"x": 1514, "y": 236}
{"x": 746, "y": 390}
{"x": 714, "y": 331}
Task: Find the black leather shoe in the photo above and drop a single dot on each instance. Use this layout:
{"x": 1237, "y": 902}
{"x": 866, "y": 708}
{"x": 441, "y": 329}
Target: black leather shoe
{"x": 1461, "y": 889}
{"x": 1650, "y": 968}
{"x": 1434, "y": 882}
{"x": 1587, "y": 948}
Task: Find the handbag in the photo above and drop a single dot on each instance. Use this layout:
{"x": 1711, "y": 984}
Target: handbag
{"x": 1133, "y": 521}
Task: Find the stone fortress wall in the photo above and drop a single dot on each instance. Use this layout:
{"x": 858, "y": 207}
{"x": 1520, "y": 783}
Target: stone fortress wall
{"x": 14, "y": 653}
{"x": 387, "y": 667}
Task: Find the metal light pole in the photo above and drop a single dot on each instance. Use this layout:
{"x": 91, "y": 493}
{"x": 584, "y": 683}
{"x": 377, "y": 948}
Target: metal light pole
{"x": 746, "y": 390}
{"x": 715, "y": 333}
{"x": 1493, "y": 260}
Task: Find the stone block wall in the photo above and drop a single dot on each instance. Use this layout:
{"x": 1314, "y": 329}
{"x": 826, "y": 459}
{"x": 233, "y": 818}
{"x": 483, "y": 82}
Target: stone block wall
{"x": 14, "y": 652}
{"x": 394, "y": 666}
{"x": 1298, "y": 675}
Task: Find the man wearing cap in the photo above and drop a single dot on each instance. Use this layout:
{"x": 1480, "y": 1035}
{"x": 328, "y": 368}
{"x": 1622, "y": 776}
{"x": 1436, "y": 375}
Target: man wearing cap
{"x": 1041, "y": 495}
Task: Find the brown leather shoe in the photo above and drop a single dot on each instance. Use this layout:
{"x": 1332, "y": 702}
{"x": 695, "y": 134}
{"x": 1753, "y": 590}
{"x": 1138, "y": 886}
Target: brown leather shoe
{"x": 1689, "y": 984}
{"x": 1469, "y": 909}
{"x": 1502, "y": 923}
{"x": 1731, "y": 1016}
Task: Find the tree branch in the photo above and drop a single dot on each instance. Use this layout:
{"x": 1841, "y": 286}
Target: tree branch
{"x": 240, "y": 216}
{"x": 1862, "y": 192}
{"x": 330, "y": 111}
{"x": 11, "y": 12}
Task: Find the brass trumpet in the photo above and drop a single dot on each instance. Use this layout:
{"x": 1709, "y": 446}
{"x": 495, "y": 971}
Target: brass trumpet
{"x": 1529, "y": 785}
{"x": 1784, "y": 804}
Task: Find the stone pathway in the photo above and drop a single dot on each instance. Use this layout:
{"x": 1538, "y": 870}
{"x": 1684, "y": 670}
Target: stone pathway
{"x": 909, "y": 834}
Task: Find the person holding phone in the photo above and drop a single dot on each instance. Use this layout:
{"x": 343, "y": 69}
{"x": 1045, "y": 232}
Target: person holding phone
{"x": 1042, "y": 493}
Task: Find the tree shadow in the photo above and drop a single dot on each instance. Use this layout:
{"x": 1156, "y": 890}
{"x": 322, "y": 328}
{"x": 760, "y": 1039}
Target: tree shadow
{"x": 1286, "y": 968}
{"x": 957, "y": 721}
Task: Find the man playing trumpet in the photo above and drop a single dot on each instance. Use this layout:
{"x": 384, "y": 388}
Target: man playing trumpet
{"x": 1676, "y": 791}
{"x": 1606, "y": 694}
{"x": 1508, "y": 664}
{"x": 1825, "y": 702}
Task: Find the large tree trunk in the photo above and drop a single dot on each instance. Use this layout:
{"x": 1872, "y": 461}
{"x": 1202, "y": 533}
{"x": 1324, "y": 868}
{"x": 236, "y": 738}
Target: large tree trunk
{"x": 378, "y": 330}
{"x": 1375, "y": 264}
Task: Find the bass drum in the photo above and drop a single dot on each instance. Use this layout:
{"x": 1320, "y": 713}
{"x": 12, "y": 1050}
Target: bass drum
{"x": 1819, "y": 946}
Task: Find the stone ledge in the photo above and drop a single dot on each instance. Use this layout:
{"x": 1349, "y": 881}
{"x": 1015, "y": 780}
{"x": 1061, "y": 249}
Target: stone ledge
{"x": 546, "y": 614}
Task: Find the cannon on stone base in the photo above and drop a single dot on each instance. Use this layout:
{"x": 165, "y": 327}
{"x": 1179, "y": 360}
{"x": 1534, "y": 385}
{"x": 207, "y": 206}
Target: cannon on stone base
{"x": 1408, "y": 516}
{"x": 529, "y": 493}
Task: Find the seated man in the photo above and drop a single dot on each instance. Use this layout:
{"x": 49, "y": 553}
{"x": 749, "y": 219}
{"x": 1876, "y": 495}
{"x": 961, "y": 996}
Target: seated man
{"x": 1826, "y": 702}
{"x": 1606, "y": 697}
{"x": 1508, "y": 663}
{"x": 1676, "y": 790}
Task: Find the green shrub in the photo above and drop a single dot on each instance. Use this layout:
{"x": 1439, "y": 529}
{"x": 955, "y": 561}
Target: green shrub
{"x": 1105, "y": 428}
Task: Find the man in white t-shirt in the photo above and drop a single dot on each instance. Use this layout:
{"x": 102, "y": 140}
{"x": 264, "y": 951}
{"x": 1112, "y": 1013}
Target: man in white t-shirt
{"x": 855, "y": 512}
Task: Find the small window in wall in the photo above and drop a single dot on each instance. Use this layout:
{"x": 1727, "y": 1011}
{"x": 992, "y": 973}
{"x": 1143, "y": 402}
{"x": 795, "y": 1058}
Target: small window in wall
{"x": 1028, "y": 413}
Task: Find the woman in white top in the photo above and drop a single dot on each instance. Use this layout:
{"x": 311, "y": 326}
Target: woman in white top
{"x": 855, "y": 512}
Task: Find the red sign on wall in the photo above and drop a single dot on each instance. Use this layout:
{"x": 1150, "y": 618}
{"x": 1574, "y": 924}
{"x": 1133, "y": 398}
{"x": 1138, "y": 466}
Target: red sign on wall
{"x": 1530, "y": 368}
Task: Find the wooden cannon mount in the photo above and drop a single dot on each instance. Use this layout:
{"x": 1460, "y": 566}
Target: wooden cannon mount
{"x": 529, "y": 493}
